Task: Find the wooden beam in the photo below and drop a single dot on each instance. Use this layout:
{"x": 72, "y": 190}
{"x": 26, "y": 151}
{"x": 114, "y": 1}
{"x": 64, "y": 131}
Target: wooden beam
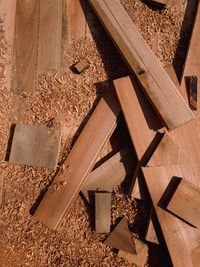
{"x": 79, "y": 162}
{"x": 102, "y": 212}
{"x": 25, "y": 46}
{"x": 110, "y": 174}
{"x": 185, "y": 202}
{"x": 156, "y": 83}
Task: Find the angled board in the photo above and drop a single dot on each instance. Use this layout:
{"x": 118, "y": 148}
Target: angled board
{"x": 157, "y": 85}
{"x": 120, "y": 238}
{"x": 79, "y": 162}
{"x": 181, "y": 239}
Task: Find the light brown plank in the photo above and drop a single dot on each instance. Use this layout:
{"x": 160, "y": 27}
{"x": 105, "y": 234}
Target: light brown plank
{"x": 102, "y": 212}
{"x": 120, "y": 237}
{"x": 185, "y": 202}
{"x": 181, "y": 239}
{"x": 35, "y": 146}
{"x": 151, "y": 234}
{"x": 50, "y": 35}
{"x": 156, "y": 83}
{"x": 110, "y": 174}
{"x": 79, "y": 162}
{"x": 25, "y": 46}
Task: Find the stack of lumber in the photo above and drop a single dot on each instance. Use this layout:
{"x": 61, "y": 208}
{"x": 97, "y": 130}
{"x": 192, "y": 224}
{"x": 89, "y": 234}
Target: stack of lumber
{"x": 162, "y": 118}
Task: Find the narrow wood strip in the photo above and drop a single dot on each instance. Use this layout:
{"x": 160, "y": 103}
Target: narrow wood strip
{"x": 79, "y": 162}
{"x": 25, "y": 47}
{"x": 156, "y": 83}
{"x": 50, "y": 35}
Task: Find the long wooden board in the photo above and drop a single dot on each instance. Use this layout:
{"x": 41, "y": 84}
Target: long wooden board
{"x": 26, "y": 46}
{"x": 181, "y": 239}
{"x": 110, "y": 174}
{"x": 185, "y": 202}
{"x": 156, "y": 83}
{"x": 79, "y": 162}
{"x": 50, "y": 35}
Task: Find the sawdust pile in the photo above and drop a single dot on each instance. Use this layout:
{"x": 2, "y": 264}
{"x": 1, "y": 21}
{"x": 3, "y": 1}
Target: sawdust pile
{"x": 67, "y": 99}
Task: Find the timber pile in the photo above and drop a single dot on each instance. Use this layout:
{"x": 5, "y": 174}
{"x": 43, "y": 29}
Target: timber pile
{"x": 140, "y": 141}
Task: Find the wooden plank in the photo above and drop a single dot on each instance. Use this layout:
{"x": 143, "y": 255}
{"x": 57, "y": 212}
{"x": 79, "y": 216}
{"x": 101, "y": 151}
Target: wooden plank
{"x": 185, "y": 202}
{"x": 141, "y": 256}
{"x": 25, "y": 47}
{"x": 181, "y": 239}
{"x": 120, "y": 237}
{"x": 151, "y": 233}
{"x": 50, "y": 35}
{"x": 35, "y": 146}
{"x": 79, "y": 162}
{"x": 156, "y": 83}
{"x": 102, "y": 212}
{"x": 110, "y": 174}
{"x": 167, "y": 153}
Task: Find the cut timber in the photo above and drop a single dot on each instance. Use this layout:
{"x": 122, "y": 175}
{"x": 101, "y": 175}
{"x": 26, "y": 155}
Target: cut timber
{"x": 35, "y": 146}
{"x": 25, "y": 46}
{"x": 141, "y": 256}
{"x": 185, "y": 202}
{"x": 110, "y": 174}
{"x": 151, "y": 233}
{"x": 120, "y": 238}
{"x": 156, "y": 83}
{"x": 167, "y": 153}
{"x": 80, "y": 161}
{"x": 81, "y": 66}
{"x": 181, "y": 239}
{"x": 102, "y": 212}
{"x": 50, "y": 35}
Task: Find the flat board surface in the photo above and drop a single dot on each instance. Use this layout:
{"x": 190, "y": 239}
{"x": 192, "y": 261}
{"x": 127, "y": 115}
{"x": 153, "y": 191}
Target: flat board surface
{"x": 181, "y": 239}
{"x": 50, "y": 35}
{"x": 25, "y": 46}
{"x": 110, "y": 174}
{"x": 79, "y": 162}
{"x": 102, "y": 212}
{"x": 35, "y": 146}
{"x": 185, "y": 202}
{"x": 156, "y": 83}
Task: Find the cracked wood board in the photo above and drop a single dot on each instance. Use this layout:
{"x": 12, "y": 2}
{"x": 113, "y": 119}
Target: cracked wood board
{"x": 79, "y": 162}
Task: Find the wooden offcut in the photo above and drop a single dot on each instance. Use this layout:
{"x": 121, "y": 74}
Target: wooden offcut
{"x": 120, "y": 238}
{"x": 79, "y": 162}
{"x": 110, "y": 174}
{"x": 35, "y": 146}
{"x": 81, "y": 66}
{"x": 102, "y": 212}
{"x": 185, "y": 202}
{"x": 156, "y": 83}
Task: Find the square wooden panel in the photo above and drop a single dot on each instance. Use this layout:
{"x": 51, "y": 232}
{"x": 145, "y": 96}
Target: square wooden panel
{"x": 35, "y": 146}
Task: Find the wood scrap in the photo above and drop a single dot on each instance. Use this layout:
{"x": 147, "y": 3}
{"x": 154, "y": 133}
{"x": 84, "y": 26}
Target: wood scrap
{"x": 81, "y": 66}
{"x": 110, "y": 174}
{"x": 79, "y": 162}
{"x": 192, "y": 91}
{"x": 35, "y": 146}
{"x": 185, "y": 202}
{"x": 168, "y": 102}
{"x": 151, "y": 235}
{"x": 102, "y": 212}
{"x": 120, "y": 238}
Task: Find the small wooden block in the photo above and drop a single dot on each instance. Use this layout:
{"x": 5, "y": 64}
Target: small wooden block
{"x": 102, "y": 212}
{"x": 35, "y": 146}
{"x": 140, "y": 258}
{"x": 186, "y": 202}
{"x": 120, "y": 238}
{"x": 81, "y": 66}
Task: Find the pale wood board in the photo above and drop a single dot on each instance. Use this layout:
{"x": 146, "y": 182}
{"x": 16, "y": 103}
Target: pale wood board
{"x": 120, "y": 238}
{"x": 50, "y": 35}
{"x": 102, "y": 212}
{"x": 141, "y": 256}
{"x": 25, "y": 46}
{"x": 35, "y": 146}
{"x": 151, "y": 233}
{"x": 79, "y": 162}
{"x": 110, "y": 174}
{"x": 181, "y": 239}
{"x": 185, "y": 202}
{"x": 156, "y": 83}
